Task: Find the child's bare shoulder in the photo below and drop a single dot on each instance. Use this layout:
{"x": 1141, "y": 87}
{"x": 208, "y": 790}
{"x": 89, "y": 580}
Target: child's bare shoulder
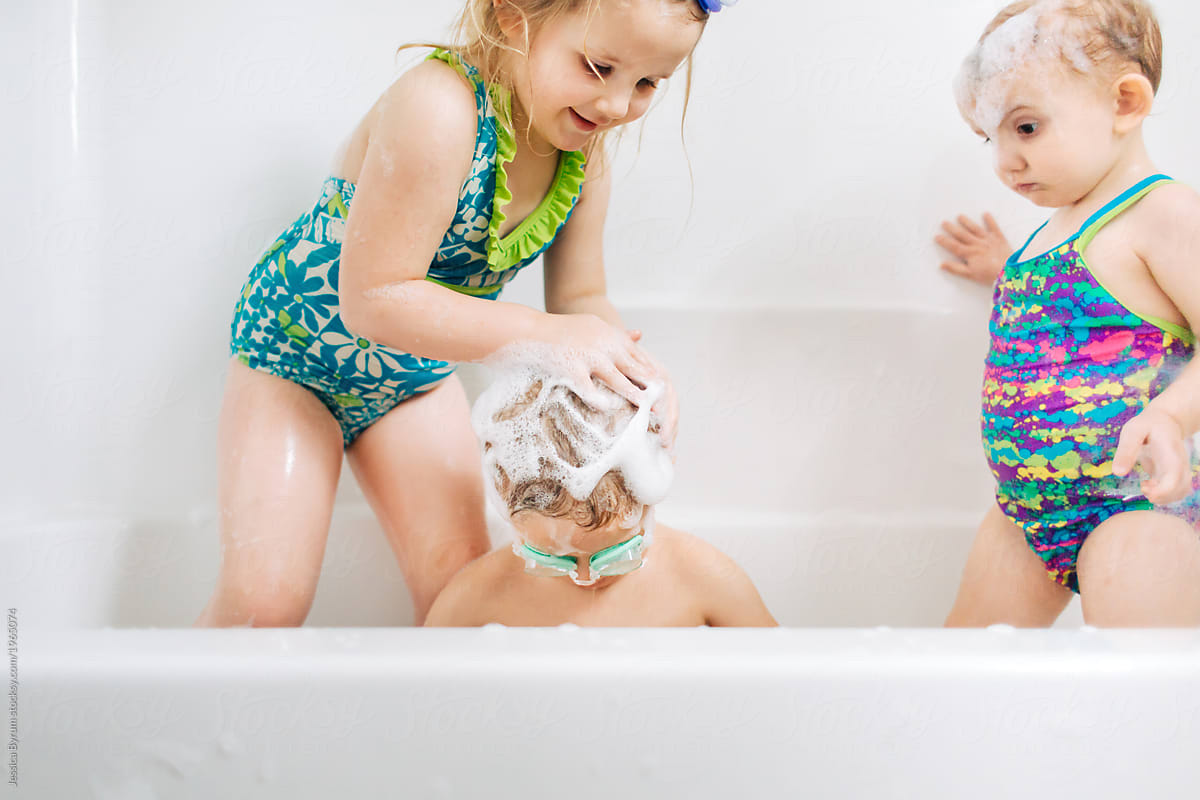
{"x": 674, "y": 538}
{"x": 463, "y": 599}
{"x": 1165, "y": 226}
{"x": 1168, "y": 206}
{"x": 436, "y": 80}
{"x": 723, "y": 590}
{"x": 489, "y": 571}
{"x": 431, "y": 96}
{"x": 696, "y": 556}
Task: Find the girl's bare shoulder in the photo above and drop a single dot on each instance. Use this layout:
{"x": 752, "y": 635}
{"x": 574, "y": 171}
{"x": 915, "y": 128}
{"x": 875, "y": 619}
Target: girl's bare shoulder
{"x": 433, "y": 93}
{"x": 430, "y": 109}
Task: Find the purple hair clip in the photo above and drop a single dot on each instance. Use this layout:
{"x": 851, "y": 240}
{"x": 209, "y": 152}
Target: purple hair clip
{"x": 713, "y": 6}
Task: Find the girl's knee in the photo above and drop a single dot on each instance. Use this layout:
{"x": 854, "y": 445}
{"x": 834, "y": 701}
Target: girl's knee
{"x": 267, "y": 597}
{"x": 258, "y": 608}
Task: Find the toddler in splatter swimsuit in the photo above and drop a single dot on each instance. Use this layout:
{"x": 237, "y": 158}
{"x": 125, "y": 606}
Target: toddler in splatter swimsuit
{"x": 1091, "y": 396}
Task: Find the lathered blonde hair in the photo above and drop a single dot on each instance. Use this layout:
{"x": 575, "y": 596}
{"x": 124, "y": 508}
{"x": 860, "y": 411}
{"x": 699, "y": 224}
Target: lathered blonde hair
{"x": 479, "y": 40}
{"x": 560, "y": 426}
{"x": 1115, "y": 35}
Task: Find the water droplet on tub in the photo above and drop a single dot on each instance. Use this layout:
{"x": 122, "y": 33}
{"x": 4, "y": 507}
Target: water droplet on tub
{"x": 230, "y": 745}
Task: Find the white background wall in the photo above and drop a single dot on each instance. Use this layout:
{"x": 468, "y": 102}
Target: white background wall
{"x": 152, "y": 149}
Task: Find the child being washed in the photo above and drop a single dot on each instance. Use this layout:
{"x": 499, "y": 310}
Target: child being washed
{"x": 574, "y": 474}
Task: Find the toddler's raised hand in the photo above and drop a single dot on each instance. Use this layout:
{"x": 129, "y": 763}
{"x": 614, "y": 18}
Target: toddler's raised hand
{"x": 981, "y": 250}
{"x": 1155, "y": 440}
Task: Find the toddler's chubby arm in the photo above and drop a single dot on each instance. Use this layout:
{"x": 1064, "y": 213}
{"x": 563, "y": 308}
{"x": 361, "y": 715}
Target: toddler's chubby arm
{"x": 1168, "y": 242}
{"x": 980, "y": 250}
{"x": 419, "y": 153}
{"x": 728, "y": 596}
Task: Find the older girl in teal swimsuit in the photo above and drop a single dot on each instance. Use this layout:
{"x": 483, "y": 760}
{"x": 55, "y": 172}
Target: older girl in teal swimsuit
{"x": 466, "y": 169}
{"x": 1091, "y": 367}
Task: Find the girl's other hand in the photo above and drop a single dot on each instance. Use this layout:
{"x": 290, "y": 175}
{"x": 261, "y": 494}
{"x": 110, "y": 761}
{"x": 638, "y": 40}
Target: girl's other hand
{"x": 981, "y": 250}
{"x": 1154, "y": 440}
{"x": 667, "y": 407}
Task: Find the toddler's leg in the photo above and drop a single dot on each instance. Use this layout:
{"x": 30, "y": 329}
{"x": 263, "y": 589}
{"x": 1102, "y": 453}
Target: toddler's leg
{"x": 280, "y": 452}
{"x": 1141, "y": 569}
{"x": 419, "y": 467}
{"x": 1004, "y": 581}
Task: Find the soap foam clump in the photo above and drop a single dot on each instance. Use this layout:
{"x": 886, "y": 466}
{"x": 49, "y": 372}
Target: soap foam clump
{"x": 1036, "y": 37}
{"x": 537, "y": 423}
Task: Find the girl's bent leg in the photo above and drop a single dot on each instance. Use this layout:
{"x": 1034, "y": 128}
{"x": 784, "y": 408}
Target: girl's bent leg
{"x": 1004, "y": 581}
{"x": 280, "y": 452}
{"x": 1141, "y": 569}
{"x": 419, "y": 468}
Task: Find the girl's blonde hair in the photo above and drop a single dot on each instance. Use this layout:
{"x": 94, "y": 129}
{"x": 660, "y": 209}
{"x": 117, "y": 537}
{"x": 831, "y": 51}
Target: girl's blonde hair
{"x": 479, "y": 40}
{"x": 1113, "y": 34}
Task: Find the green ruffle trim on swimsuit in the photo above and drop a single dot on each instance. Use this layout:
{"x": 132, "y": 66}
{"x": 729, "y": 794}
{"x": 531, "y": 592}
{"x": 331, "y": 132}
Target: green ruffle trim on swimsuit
{"x": 540, "y": 227}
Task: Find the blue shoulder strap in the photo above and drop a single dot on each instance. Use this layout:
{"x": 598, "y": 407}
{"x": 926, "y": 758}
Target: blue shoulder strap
{"x": 1016, "y": 256}
{"x": 1089, "y": 229}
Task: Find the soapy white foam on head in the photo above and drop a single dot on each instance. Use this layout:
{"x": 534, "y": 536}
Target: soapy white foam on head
{"x": 1020, "y": 49}
{"x": 603, "y": 436}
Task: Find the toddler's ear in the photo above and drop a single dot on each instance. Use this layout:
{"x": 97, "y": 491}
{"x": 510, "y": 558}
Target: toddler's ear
{"x": 1134, "y": 97}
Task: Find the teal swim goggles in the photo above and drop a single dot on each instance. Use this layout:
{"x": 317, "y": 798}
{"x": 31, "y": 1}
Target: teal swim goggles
{"x": 620, "y": 559}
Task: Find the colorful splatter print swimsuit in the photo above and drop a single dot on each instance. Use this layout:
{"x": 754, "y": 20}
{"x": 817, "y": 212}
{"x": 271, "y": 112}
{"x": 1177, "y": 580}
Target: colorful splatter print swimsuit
{"x": 1069, "y": 365}
{"x": 287, "y": 320}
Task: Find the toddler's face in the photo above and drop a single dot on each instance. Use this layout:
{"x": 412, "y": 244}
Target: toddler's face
{"x": 631, "y": 44}
{"x": 557, "y": 536}
{"x": 1051, "y": 132}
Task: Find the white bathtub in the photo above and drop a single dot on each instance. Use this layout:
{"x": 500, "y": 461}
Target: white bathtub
{"x": 859, "y": 695}
{"x": 828, "y": 379}
{"x": 314, "y": 713}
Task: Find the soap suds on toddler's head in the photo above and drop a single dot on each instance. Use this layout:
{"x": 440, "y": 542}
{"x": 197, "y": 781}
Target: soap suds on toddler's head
{"x": 536, "y": 423}
{"x": 1035, "y": 37}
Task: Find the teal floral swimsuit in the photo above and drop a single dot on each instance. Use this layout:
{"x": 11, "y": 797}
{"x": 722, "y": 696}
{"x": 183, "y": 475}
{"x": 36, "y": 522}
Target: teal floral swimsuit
{"x": 288, "y": 318}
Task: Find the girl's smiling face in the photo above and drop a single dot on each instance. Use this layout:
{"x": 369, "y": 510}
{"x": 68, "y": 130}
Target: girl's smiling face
{"x": 588, "y": 72}
{"x": 1052, "y": 132}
